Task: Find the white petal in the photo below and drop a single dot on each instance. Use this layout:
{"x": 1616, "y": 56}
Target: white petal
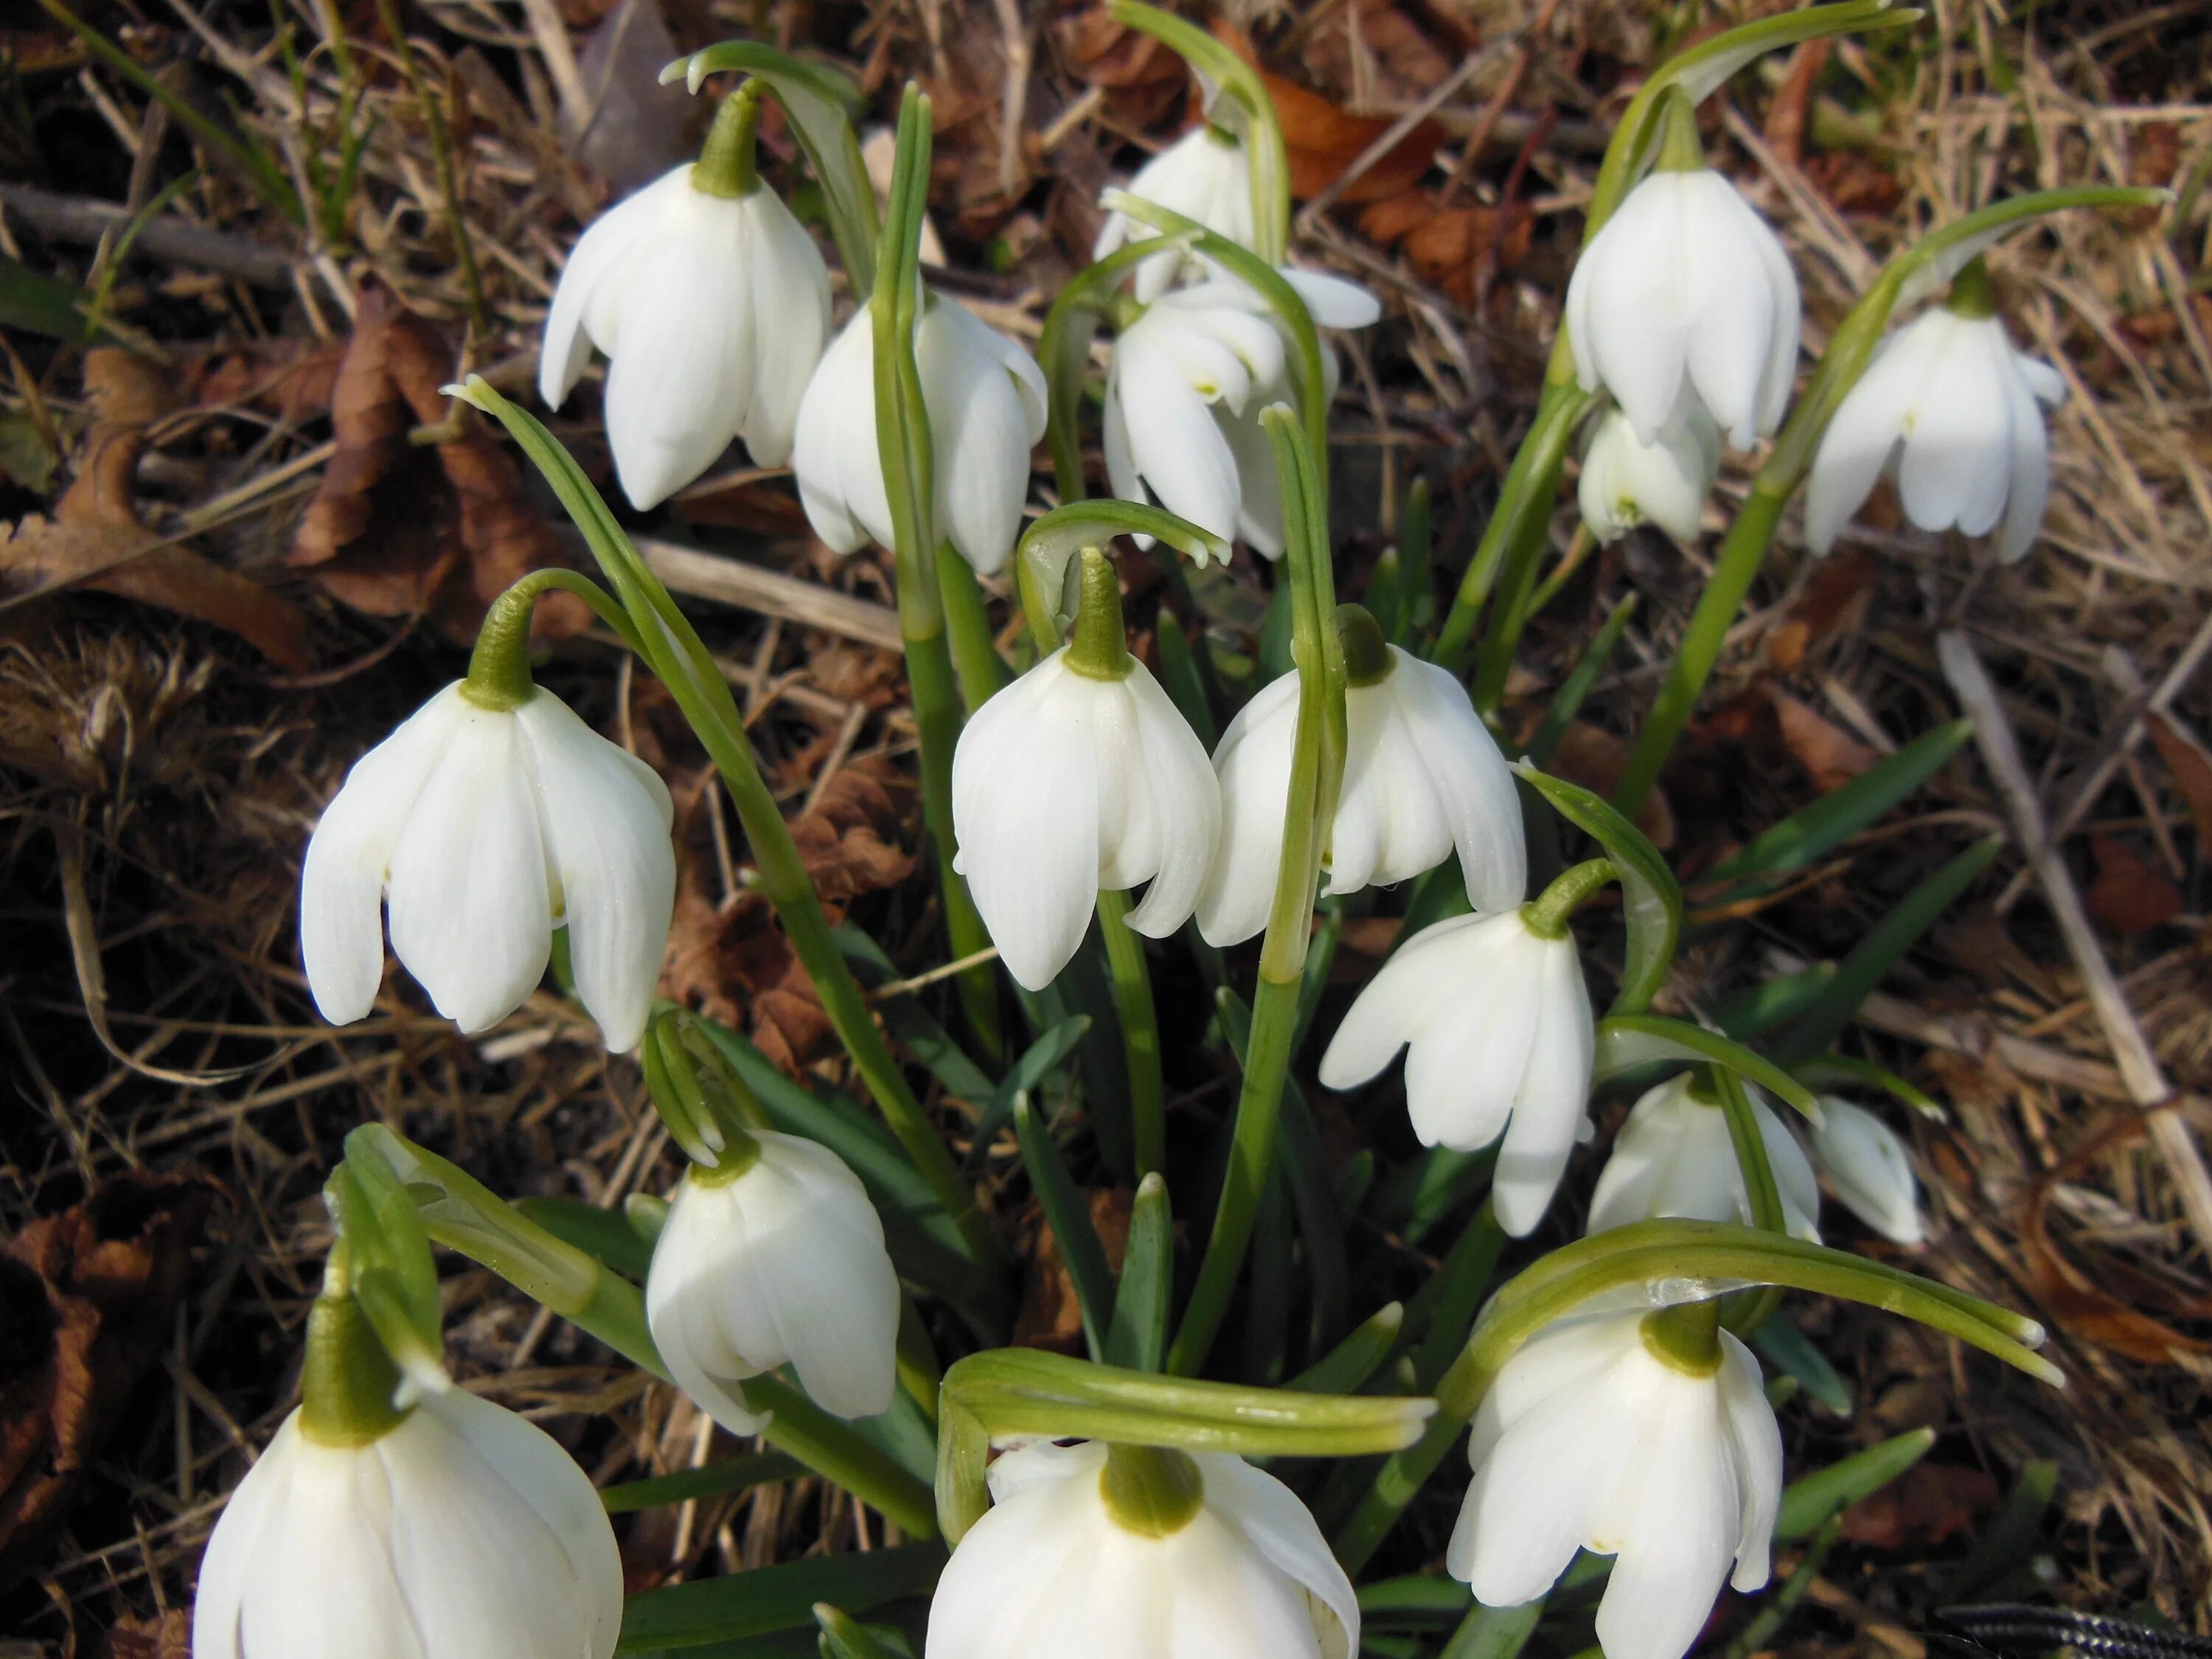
{"x": 1423, "y": 974}
{"x": 791, "y": 308}
{"x": 2029, "y": 469}
{"x": 1957, "y": 432}
{"x": 1025, "y": 813}
{"x": 833, "y": 451}
{"x": 1729, "y": 305}
{"x": 1467, "y": 1064}
{"x": 980, "y": 425}
{"x": 1173, "y": 442}
{"x": 678, "y": 383}
{"x": 1864, "y": 436}
{"x": 230, "y": 1569}
{"x": 1870, "y": 1171}
{"x": 1187, "y": 807}
{"x": 2048, "y": 384}
{"x": 471, "y": 915}
{"x": 342, "y": 882}
{"x": 615, "y": 238}
{"x": 1548, "y": 1109}
{"x": 1253, "y": 762}
{"x": 322, "y": 1579}
{"x": 607, "y": 817}
{"x": 1284, "y": 1530}
{"x": 1756, "y": 1441}
{"x": 1334, "y": 301}
{"x": 1677, "y": 1526}
{"x": 1632, "y": 307}
{"x": 1258, "y": 487}
{"x": 1788, "y": 324}
{"x": 1479, "y": 799}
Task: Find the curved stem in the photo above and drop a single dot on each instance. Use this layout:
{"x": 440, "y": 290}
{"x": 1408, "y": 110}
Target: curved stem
{"x": 499, "y": 665}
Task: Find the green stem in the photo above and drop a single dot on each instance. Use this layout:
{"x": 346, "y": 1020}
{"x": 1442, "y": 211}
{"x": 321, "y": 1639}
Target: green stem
{"x": 1546, "y": 915}
{"x": 1734, "y": 569}
{"x": 727, "y": 165}
{"x": 1140, "y": 1031}
{"x": 976, "y": 660}
{"x": 499, "y": 666}
{"x": 684, "y": 664}
{"x": 1518, "y": 524}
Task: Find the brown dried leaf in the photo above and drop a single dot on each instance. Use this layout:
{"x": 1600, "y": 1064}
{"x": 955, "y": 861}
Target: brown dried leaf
{"x": 87, "y": 1297}
{"x": 164, "y": 1636}
{"x": 291, "y": 378}
{"x": 1831, "y": 755}
{"x": 1050, "y": 1316}
{"x": 96, "y": 540}
{"x": 126, "y": 388}
{"x": 2129, "y": 896}
{"x": 1594, "y": 758}
{"x": 1856, "y": 184}
{"x": 2193, "y": 771}
{"x": 1927, "y": 1505}
{"x": 1786, "y": 115}
{"x": 400, "y": 529}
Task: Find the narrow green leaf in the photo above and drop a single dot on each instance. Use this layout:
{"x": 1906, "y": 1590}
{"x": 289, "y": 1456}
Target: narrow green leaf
{"x": 1461, "y": 1283}
{"x": 1138, "y": 1338}
{"x": 1834, "y": 818}
{"x": 1415, "y": 603}
{"x": 1069, "y": 1215}
{"x": 1840, "y": 1070}
{"x": 1424, "y": 1597}
{"x": 1347, "y": 1366}
{"x": 1759, "y": 1008}
{"x": 1810, "y": 1502}
{"x": 910, "y": 1023}
{"x": 820, "y": 101}
{"x": 1824, "y": 1021}
{"x": 1384, "y": 595}
{"x": 1783, "y": 1346}
{"x": 846, "y": 1637}
{"x": 710, "y": 1480}
{"x": 1567, "y": 701}
{"x": 2002, "y": 1548}
{"x": 1627, "y": 1041}
{"x": 1495, "y": 1633}
{"x": 1749, "y": 1147}
{"x": 1038, "y": 1061}
{"x": 1649, "y": 894}
{"x": 604, "y": 1235}
{"x": 869, "y": 1458}
{"x": 777, "y": 1598}
{"x": 1180, "y": 678}
{"x": 35, "y": 303}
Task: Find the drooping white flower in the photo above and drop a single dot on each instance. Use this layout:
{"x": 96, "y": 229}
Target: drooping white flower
{"x": 986, "y": 399}
{"x": 1422, "y": 777}
{"x": 1498, "y": 1027}
{"x": 1870, "y": 1171}
{"x": 1685, "y": 290}
{"x": 782, "y": 1263}
{"x": 1206, "y": 175}
{"x": 1673, "y": 1158}
{"x": 1183, "y": 396}
{"x": 1593, "y": 1437}
{"x": 482, "y": 830}
{"x": 1955, "y": 415}
{"x": 1049, "y": 1573}
{"x": 461, "y": 1533}
{"x": 1064, "y": 784}
{"x": 713, "y": 310}
{"x": 1626, "y": 482}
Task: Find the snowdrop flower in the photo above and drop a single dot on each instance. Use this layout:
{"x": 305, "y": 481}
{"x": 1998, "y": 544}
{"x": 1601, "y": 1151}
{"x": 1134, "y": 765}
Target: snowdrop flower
{"x": 1628, "y": 1435}
{"x": 1500, "y": 1037}
{"x": 1870, "y": 1171}
{"x": 1080, "y": 775}
{"x": 711, "y": 302}
{"x": 776, "y": 1262}
{"x": 1204, "y": 175}
{"x": 1955, "y": 415}
{"x": 482, "y": 829}
{"x": 1183, "y": 396}
{"x": 1673, "y": 1158}
{"x": 1422, "y": 777}
{"x": 1685, "y": 292}
{"x": 461, "y": 1531}
{"x": 1626, "y": 482}
{"x": 1231, "y": 1566}
{"x": 986, "y": 400}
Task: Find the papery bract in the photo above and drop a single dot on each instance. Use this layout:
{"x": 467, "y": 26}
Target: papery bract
{"x": 484, "y": 830}
{"x": 462, "y": 1532}
{"x": 1498, "y": 1027}
{"x": 782, "y": 1263}
{"x": 1673, "y": 1158}
{"x": 1423, "y": 777}
{"x": 713, "y": 310}
{"x": 1952, "y": 413}
{"x": 1870, "y": 1171}
{"x": 1686, "y": 293}
{"x": 986, "y": 400}
{"x": 1064, "y": 784}
{"x": 1048, "y": 1573}
{"x": 1589, "y": 1439}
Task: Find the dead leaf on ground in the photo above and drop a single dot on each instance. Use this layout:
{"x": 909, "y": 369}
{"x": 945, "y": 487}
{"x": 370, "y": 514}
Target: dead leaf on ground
{"x": 1050, "y": 1316}
{"x": 1323, "y": 140}
{"x": 2129, "y": 896}
{"x": 1594, "y": 758}
{"x": 164, "y": 1636}
{"x": 1831, "y": 757}
{"x": 2193, "y": 771}
{"x": 736, "y": 964}
{"x": 87, "y": 1299}
{"x": 292, "y": 379}
{"x": 1449, "y": 245}
{"x": 1927, "y": 1504}
{"x": 1834, "y": 602}
{"x": 403, "y": 529}
{"x": 96, "y": 540}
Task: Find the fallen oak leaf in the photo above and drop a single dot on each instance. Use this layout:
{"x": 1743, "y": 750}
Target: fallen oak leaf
{"x": 399, "y": 529}
{"x": 2128, "y": 896}
{"x": 1321, "y": 140}
{"x": 2191, "y": 768}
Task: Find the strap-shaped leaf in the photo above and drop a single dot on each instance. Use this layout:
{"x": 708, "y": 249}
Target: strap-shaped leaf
{"x": 1650, "y": 895}
{"x": 1835, "y": 817}
{"x": 1070, "y": 1218}
{"x": 1567, "y": 701}
{"x": 818, "y": 101}
{"x": 1038, "y": 1061}
{"x": 729, "y": 1474}
{"x": 1137, "y": 1340}
{"x": 777, "y": 1598}
{"x": 1626, "y": 1041}
{"x": 1789, "y": 1351}
{"x": 1841, "y": 1071}
{"x": 1809, "y": 1502}
{"x": 1349, "y": 1364}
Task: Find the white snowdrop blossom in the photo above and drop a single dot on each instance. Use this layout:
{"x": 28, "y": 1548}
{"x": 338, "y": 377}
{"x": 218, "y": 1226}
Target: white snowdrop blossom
{"x": 711, "y": 310}
{"x": 1498, "y": 1029}
{"x": 463, "y": 1532}
{"x": 1950, "y": 411}
{"x": 1064, "y": 784}
{"x": 1626, "y": 482}
{"x": 1673, "y": 1158}
{"x": 482, "y": 830}
{"x": 1685, "y": 292}
{"x": 1592, "y": 1438}
{"x": 1870, "y": 1171}
{"x": 986, "y": 399}
{"x": 1423, "y": 777}
{"x": 1185, "y": 389}
{"x": 782, "y": 1263}
{"x": 1206, "y": 175}
{"x": 1049, "y": 1573}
